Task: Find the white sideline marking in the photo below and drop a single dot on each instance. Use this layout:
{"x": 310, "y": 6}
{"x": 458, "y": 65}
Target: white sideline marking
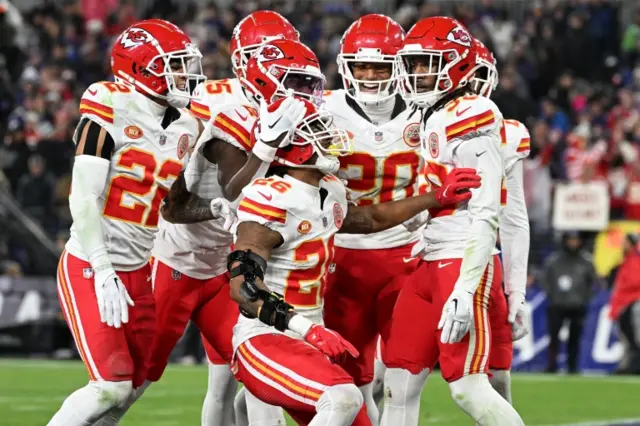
{"x": 599, "y": 423}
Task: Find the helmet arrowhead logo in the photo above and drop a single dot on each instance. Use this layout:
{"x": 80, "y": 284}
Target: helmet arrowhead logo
{"x": 460, "y": 35}
{"x": 134, "y": 37}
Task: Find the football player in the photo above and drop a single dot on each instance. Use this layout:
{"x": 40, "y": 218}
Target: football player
{"x": 513, "y": 231}
{"x": 460, "y": 276}
{"x": 289, "y": 219}
{"x": 193, "y": 254}
{"x": 131, "y": 141}
{"x": 368, "y": 271}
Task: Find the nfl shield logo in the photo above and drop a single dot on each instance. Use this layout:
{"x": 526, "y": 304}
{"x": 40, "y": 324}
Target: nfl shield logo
{"x": 87, "y": 273}
{"x": 332, "y": 268}
{"x": 176, "y": 275}
{"x": 325, "y": 222}
{"x": 378, "y": 136}
{"x": 163, "y": 139}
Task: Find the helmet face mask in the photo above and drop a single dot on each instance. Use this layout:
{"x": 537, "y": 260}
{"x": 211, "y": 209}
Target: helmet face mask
{"x": 485, "y": 76}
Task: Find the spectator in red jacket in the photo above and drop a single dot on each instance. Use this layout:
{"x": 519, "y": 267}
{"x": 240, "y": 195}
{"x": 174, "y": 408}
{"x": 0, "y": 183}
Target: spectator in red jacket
{"x": 625, "y": 305}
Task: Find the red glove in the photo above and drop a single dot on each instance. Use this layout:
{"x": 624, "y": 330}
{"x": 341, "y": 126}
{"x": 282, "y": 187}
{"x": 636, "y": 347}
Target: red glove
{"x": 456, "y": 186}
{"x": 329, "y": 342}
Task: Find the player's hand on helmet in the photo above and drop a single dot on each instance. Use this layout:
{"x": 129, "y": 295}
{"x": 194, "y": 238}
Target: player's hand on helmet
{"x": 457, "y": 316}
{"x": 113, "y": 298}
{"x": 456, "y": 186}
{"x": 330, "y": 343}
{"x": 220, "y": 208}
{"x": 276, "y": 127}
{"x": 517, "y": 315}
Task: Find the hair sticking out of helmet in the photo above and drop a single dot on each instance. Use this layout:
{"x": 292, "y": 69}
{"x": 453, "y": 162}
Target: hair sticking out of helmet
{"x": 253, "y": 31}
{"x": 485, "y": 76}
{"x": 159, "y": 60}
{"x": 437, "y": 58}
{"x": 367, "y": 58}
{"x": 316, "y": 142}
{"x": 280, "y": 68}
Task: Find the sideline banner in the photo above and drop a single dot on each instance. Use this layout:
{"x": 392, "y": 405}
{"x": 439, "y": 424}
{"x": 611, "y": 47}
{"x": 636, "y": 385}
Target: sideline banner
{"x": 600, "y": 350}
{"x": 581, "y": 206}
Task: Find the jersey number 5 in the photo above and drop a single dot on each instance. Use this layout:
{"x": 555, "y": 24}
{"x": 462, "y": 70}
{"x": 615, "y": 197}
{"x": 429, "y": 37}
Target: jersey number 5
{"x": 139, "y": 212}
{"x": 304, "y": 287}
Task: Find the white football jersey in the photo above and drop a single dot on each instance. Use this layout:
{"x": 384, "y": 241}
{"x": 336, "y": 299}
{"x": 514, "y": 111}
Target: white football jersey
{"x": 383, "y": 167}
{"x": 297, "y": 269}
{"x": 145, "y": 162}
{"x": 200, "y": 250}
{"x": 213, "y": 95}
{"x": 472, "y": 120}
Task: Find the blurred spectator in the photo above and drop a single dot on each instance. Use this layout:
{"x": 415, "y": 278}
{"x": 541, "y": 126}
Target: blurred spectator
{"x": 35, "y": 191}
{"x": 568, "y": 279}
{"x": 625, "y": 305}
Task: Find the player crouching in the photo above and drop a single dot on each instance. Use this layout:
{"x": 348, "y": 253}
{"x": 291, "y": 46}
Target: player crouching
{"x": 288, "y": 221}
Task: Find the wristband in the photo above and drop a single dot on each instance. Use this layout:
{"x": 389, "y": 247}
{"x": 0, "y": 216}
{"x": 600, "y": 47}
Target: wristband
{"x": 300, "y": 325}
{"x": 264, "y": 152}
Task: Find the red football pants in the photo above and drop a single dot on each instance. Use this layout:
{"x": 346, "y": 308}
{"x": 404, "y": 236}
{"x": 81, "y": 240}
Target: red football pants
{"x": 180, "y": 298}
{"x": 414, "y": 341}
{"x": 110, "y": 354}
{"x": 359, "y": 300}
{"x": 289, "y": 373}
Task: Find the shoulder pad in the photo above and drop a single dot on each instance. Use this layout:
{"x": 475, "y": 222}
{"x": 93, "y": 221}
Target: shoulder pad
{"x": 214, "y": 94}
{"x": 232, "y": 124}
{"x": 266, "y": 201}
{"x": 100, "y": 102}
{"x": 199, "y": 108}
{"x": 334, "y": 100}
{"x": 470, "y": 114}
{"x": 515, "y": 137}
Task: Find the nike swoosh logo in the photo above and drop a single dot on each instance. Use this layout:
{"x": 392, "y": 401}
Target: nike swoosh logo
{"x": 93, "y": 92}
{"x": 444, "y": 193}
{"x": 442, "y": 265}
{"x": 455, "y": 301}
{"x": 407, "y": 259}
{"x": 266, "y": 198}
{"x": 478, "y": 154}
{"x": 462, "y": 111}
{"x": 243, "y": 117}
{"x": 274, "y": 123}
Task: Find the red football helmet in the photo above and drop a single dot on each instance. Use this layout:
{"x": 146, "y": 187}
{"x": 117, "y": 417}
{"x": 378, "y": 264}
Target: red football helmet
{"x": 158, "y": 59}
{"x": 255, "y": 30}
{"x": 316, "y": 134}
{"x": 485, "y": 76}
{"x": 443, "y": 49}
{"x": 282, "y": 66}
{"x": 372, "y": 38}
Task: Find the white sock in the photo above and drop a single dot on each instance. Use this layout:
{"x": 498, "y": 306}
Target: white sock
{"x": 263, "y": 414}
{"x": 88, "y": 404}
{"x": 240, "y": 408}
{"x": 378, "y": 382}
{"x": 402, "y": 396}
{"x": 370, "y": 404}
{"x": 217, "y": 409}
{"x": 115, "y": 414}
{"x": 475, "y": 396}
{"x": 338, "y": 406}
{"x": 501, "y": 382}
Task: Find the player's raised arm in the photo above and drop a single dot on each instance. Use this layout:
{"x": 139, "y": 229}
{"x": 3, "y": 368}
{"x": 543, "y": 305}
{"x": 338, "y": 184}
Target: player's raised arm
{"x": 378, "y": 217}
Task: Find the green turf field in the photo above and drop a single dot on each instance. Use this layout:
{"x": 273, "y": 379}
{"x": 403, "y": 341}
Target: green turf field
{"x": 31, "y": 391}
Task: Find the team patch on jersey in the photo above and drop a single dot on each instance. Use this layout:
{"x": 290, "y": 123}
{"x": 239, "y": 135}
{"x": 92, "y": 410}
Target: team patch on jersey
{"x": 338, "y": 215}
{"x": 304, "y": 227}
{"x": 183, "y": 146}
{"x": 411, "y": 134}
{"x": 434, "y": 145}
{"x": 87, "y": 273}
{"x": 133, "y": 132}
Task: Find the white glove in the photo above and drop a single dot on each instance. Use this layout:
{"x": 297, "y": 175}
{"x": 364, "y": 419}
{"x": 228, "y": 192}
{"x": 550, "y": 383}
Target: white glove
{"x": 457, "y": 316}
{"x": 113, "y": 298}
{"x": 220, "y": 208}
{"x": 285, "y": 119}
{"x": 517, "y": 315}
